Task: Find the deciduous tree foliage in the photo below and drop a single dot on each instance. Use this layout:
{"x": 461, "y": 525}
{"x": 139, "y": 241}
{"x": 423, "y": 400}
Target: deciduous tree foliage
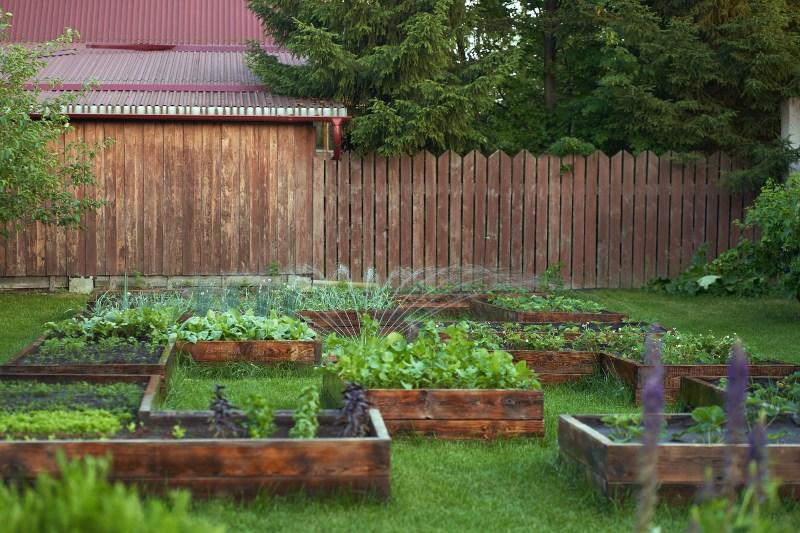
{"x": 38, "y": 181}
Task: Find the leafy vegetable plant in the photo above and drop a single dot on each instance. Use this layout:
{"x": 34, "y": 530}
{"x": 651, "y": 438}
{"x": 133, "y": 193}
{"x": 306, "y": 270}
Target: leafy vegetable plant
{"x": 624, "y": 427}
{"x": 223, "y": 422}
{"x": 709, "y": 424}
{"x": 305, "y": 418}
{"x": 236, "y": 326}
{"x": 260, "y": 422}
{"x": 430, "y": 361}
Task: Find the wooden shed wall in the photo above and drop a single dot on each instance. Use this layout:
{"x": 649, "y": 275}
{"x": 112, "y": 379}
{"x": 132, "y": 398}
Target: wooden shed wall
{"x": 182, "y": 198}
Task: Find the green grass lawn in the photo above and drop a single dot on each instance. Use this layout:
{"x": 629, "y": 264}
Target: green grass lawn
{"x": 506, "y": 485}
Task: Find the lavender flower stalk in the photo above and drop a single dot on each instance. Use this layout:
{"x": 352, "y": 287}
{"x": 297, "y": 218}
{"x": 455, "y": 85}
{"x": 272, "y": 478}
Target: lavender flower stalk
{"x": 757, "y": 457}
{"x": 653, "y": 404}
{"x": 735, "y": 397}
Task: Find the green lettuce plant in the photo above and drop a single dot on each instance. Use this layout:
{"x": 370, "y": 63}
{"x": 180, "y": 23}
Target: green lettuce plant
{"x": 555, "y": 303}
{"x": 430, "y": 361}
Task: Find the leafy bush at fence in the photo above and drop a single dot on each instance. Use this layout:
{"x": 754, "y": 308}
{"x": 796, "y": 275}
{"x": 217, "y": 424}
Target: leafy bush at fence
{"x": 534, "y": 303}
{"x": 428, "y": 362}
{"x": 82, "y": 499}
{"x": 236, "y": 326}
{"x": 753, "y": 268}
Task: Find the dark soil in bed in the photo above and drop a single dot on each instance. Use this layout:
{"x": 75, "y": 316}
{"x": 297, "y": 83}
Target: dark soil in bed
{"x": 141, "y": 353}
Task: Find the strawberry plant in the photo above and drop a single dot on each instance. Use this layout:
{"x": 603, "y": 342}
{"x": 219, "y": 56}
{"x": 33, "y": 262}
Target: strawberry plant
{"x": 554, "y": 303}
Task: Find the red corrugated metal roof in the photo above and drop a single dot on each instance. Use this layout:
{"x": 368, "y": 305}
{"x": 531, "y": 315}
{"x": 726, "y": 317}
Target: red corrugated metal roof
{"x": 172, "y": 83}
{"x": 210, "y": 22}
{"x": 81, "y": 64}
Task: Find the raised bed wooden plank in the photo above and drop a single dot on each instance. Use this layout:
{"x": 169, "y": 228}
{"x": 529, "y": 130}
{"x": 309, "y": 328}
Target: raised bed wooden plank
{"x": 211, "y": 466}
{"x": 635, "y": 374}
{"x": 256, "y": 351}
{"x": 452, "y": 413}
{"x": 682, "y": 468}
{"x": 483, "y": 309}
{"x": 17, "y": 366}
{"x": 557, "y": 362}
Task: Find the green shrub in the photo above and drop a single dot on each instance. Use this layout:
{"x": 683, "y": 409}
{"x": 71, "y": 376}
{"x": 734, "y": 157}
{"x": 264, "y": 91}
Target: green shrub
{"x": 428, "y": 362}
{"x": 753, "y": 268}
{"x": 82, "y": 499}
{"x": 236, "y": 326}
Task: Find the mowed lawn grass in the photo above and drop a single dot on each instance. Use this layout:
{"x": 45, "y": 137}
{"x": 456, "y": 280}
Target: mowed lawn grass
{"x": 512, "y": 485}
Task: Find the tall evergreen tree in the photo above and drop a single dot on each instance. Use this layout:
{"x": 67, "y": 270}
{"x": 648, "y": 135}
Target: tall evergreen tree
{"x": 416, "y": 74}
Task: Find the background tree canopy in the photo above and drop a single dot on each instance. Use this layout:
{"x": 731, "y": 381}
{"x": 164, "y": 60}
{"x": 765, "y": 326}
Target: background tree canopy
{"x": 546, "y": 74}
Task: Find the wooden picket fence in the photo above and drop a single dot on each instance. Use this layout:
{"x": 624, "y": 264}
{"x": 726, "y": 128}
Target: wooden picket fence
{"x": 610, "y": 221}
{"x": 187, "y": 199}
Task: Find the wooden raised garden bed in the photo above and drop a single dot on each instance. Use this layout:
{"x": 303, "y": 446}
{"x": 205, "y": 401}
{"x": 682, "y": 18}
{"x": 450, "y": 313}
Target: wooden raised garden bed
{"x": 210, "y": 466}
{"x": 557, "y": 366}
{"x": 635, "y": 374}
{"x": 257, "y": 351}
{"x": 19, "y": 364}
{"x": 682, "y": 467}
{"x": 452, "y": 413}
{"x": 349, "y": 322}
{"x": 483, "y": 309}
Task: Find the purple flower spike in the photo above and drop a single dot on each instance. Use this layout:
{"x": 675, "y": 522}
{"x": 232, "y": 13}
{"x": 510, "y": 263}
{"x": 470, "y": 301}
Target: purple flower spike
{"x": 735, "y": 398}
{"x": 757, "y": 456}
{"x": 736, "y": 394}
{"x": 653, "y": 405}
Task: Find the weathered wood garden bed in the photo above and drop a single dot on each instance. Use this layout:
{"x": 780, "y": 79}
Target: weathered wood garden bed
{"x": 481, "y": 308}
{"x": 261, "y": 352}
{"x": 452, "y": 413}
{"x": 238, "y": 466}
{"x": 612, "y": 467}
{"x": 557, "y": 366}
{"x": 140, "y": 360}
{"x": 635, "y": 373}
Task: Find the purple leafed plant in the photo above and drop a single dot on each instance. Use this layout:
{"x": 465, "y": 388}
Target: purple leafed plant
{"x": 653, "y": 405}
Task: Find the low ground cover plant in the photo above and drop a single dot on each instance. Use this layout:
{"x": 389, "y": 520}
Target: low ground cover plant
{"x": 430, "y": 361}
{"x": 36, "y": 410}
{"x": 60, "y": 424}
{"x": 552, "y": 303}
{"x": 23, "y": 395}
{"x": 235, "y": 326}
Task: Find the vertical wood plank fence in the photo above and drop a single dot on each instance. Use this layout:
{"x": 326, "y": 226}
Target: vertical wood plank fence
{"x": 610, "y": 221}
{"x": 208, "y": 199}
